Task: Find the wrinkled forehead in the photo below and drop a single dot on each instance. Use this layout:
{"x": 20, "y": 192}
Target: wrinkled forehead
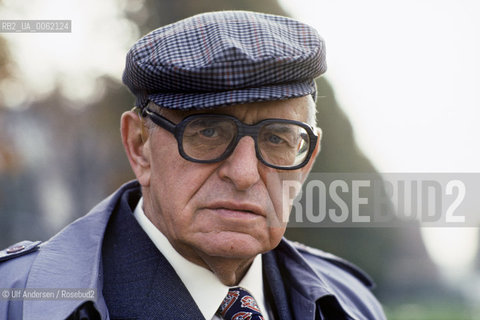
{"x": 250, "y": 113}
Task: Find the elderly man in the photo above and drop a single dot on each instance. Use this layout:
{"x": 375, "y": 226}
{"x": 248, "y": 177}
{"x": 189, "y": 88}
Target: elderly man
{"x": 224, "y": 114}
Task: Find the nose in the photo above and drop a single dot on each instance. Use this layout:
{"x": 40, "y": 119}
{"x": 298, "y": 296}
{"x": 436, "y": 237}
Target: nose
{"x": 241, "y": 167}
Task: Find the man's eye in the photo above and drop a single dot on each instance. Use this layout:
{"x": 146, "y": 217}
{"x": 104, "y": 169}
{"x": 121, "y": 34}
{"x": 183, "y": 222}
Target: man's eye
{"x": 275, "y": 139}
{"x": 209, "y": 132}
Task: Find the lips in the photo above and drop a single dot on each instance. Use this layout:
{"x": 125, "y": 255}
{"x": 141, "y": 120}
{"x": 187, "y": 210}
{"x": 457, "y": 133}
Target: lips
{"x": 235, "y": 208}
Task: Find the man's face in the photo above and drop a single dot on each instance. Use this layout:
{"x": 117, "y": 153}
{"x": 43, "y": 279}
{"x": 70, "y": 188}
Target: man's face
{"x": 223, "y": 209}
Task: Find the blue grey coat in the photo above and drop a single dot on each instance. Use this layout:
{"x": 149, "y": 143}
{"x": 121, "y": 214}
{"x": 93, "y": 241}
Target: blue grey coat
{"x": 317, "y": 281}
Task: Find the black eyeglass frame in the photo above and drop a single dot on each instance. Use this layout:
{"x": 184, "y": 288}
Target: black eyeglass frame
{"x": 243, "y": 130}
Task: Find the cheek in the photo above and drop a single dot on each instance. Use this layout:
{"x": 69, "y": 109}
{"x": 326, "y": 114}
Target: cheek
{"x": 171, "y": 174}
{"x": 174, "y": 188}
{"x": 282, "y": 187}
{"x": 174, "y": 183}
{"x": 276, "y": 234}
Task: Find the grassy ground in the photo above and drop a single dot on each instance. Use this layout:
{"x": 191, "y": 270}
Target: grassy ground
{"x": 431, "y": 312}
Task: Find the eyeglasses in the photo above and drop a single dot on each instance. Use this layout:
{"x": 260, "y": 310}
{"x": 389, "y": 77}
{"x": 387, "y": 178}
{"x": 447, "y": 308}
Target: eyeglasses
{"x": 208, "y": 138}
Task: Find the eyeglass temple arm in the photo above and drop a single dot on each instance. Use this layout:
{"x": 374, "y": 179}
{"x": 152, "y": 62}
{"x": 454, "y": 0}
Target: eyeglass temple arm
{"x": 159, "y": 120}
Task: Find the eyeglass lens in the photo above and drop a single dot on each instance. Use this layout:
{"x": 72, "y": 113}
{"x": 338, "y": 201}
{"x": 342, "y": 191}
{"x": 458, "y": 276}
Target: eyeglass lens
{"x": 280, "y": 144}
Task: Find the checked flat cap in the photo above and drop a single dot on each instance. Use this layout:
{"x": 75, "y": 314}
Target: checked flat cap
{"x": 224, "y": 58}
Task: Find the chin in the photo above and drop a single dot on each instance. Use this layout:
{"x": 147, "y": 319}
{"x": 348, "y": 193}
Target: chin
{"x": 235, "y": 246}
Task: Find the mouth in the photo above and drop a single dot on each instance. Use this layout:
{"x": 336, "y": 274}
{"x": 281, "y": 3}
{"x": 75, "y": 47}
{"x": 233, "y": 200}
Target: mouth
{"x": 236, "y": 210}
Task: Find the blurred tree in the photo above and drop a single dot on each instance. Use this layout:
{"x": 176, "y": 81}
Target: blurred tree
{"x": 10, "y": 159}
{"x": 165, "y": 12}
{"x": 6, "y": 67}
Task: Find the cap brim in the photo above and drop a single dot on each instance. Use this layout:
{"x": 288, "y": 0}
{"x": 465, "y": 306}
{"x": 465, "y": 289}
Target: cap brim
{"x": 204, "y": 100}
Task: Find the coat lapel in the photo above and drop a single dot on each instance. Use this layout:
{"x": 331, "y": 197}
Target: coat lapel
{"x": 274, "y": 288}
{"x": 139, "y": 283}
{"x": 73, "y": 260}
{"x": 297, "y": 289}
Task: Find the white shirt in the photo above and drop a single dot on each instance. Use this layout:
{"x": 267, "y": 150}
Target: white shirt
{"x": 206, "y": 289}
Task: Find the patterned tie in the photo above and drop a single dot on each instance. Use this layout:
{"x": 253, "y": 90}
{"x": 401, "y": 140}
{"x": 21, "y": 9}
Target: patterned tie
{"x": 239, "y": 305}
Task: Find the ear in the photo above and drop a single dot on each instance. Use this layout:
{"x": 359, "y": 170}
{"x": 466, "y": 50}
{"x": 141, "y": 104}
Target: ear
{"x": 136, "y": 143}
{"x": 308, "y": 167}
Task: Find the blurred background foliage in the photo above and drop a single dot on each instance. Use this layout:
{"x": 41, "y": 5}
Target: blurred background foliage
{"x": 59, "y": 157}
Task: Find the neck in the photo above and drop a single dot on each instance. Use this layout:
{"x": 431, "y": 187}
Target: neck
{"x": 229, "y": 271}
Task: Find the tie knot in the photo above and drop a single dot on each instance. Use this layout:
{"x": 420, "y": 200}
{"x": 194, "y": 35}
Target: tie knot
{"x": 239, "y": 305}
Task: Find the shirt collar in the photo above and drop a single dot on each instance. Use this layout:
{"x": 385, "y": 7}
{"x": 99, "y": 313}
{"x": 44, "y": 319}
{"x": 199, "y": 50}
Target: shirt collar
{"x": 206, "y": 289}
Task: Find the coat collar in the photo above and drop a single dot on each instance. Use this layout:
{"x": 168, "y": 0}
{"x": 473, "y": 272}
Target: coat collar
{"x": 307, "y": 286}
{"x": 138, "y": 280}
{"x": 77, "y": 249}
{"x": 304, "y": 285}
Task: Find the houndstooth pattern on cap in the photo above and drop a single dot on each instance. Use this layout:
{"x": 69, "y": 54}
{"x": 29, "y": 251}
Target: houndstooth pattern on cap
{"x": 223, "y": 58}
